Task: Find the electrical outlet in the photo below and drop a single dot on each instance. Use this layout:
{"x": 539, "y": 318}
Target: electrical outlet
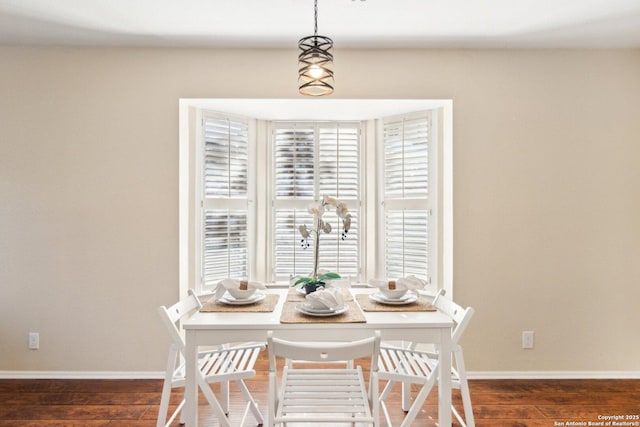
{"x": 527, "y": 339}
{"x": 34, "y": 340}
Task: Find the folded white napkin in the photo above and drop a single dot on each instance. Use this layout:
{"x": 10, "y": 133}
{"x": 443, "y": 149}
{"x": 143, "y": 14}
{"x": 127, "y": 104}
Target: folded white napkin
{"x": 330, "y": 298}
{"x": 409, "y": 282}
{"x": 225, "y": 284}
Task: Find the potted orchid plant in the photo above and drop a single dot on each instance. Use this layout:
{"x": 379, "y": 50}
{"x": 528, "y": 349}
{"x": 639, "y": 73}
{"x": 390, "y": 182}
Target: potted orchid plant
{"x": 317, "y": 280}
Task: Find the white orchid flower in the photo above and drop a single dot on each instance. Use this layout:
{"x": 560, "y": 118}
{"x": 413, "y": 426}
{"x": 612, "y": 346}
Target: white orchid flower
{"x": 328, "y": 200}
{"x": 341, "y": 209}
{"x": 303, "y": 231}
{"x": 347, "y": 222}
{"x": 316, "y": 209}
{"x": 326, "y": 227}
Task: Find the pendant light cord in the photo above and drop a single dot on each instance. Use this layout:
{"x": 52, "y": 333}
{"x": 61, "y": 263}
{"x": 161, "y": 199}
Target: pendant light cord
{"x": 315, "y": 17}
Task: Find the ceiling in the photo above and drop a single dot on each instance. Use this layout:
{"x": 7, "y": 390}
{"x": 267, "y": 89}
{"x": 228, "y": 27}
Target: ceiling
{"x": 351, "y": 23}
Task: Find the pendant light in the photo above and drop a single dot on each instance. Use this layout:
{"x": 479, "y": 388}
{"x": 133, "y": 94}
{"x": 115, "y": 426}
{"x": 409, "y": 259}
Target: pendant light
{"x": 315, "y": 77}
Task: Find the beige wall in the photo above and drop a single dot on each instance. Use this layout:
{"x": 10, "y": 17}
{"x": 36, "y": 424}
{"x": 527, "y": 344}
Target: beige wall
{"x": 546, "y": 201}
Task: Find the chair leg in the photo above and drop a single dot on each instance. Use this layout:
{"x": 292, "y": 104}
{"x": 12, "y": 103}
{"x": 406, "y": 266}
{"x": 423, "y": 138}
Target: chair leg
{"x": 213, "y": 402}
{"x": 250, "y": 401}
{"x": 164, "y": 422}
{"x": 387, "y": 389}
{"x": 382, "y": 405}
{"x": 166, "y": 389}
{"x": 164, "y": 403}
{"x": 464, "y": 388}
{"x": 273, "y": 390}
{"x": 375, "y": 402}
{"x": 418, "y": 402}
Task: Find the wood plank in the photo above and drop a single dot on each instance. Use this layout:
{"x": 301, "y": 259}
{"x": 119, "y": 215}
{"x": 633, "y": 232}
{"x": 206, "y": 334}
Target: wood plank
{"x": 134, "y": 403}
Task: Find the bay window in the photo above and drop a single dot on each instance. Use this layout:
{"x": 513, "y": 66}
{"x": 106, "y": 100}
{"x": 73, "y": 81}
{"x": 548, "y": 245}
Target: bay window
{"x": 253, "y": 181}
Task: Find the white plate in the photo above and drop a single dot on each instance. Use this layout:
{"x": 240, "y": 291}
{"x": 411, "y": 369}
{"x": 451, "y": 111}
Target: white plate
{"x": 307, "y": 307}
{"x": 228, "y": 299}
{"x": 408, "y": 298}
{"x": 304, "y": 309}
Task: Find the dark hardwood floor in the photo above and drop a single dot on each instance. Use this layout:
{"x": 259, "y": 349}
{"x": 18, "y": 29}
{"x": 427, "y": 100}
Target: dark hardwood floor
{"x": 29, "y": 403}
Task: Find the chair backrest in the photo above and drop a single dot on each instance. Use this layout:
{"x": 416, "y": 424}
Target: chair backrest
{"x": 461, "y": 316}
{"x": 172, "y": 315}
{"x": 323, "y": 352}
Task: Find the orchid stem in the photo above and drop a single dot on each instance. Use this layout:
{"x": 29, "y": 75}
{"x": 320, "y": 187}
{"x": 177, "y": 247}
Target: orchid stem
{"x": 316, "y": 251}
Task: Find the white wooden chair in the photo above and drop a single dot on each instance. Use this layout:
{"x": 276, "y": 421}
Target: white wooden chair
{"x": 230, "y": 363}
{"x": 410, "y": 366}
{"x": 323, "y": 395}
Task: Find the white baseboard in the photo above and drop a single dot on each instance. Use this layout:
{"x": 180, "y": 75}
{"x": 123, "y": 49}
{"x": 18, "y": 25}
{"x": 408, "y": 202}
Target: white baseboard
{"x": 551, "y": 375}
{"x": 82, "y": 375}
{"x": 472, "y": 375}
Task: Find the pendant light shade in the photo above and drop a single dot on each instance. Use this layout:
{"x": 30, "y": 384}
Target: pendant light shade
{"x": 315, "y": 76}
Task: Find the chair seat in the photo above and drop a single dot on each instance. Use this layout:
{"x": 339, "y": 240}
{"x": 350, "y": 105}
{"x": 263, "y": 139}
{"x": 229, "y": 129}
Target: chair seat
{"x": 324, "y": 395}
{"x": 223, "y": 365}
{"x": 230, "y": 364}
{"x": 406, "y": 365}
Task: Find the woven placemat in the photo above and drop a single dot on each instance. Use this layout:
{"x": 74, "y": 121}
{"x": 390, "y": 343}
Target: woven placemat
{"x": 294, "y": 296}
{"x": 268, "y": 304}
{"x": 422, "y": 304}
{"x": 353, "y": 315}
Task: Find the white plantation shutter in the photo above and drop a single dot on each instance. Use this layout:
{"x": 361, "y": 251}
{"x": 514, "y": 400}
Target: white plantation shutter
{"x": 406, "y": 195}
{"x": 406, "y": 158}
{"x": 407, "y": 239}
{"x": 338, "y": 161}
{"x": 226, "y": 157}
{"x": 294, "y": 163}
{"x": 225, "y": 245}
{"x": 312, "y": 160}
{"x": 338, "y": 255}
{"x": 290, "y": 256}
{"x": 225, "y": 186}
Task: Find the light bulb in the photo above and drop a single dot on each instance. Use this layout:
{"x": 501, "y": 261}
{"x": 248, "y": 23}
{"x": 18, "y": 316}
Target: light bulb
{"x": 315, "y": 71}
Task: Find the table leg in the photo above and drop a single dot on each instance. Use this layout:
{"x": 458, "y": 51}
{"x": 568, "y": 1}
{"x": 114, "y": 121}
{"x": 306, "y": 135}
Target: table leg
{"x": 224, "y": 396}
{"x": 406, "y": 396}
{"x": 191, "y": 385}
{"x": 444, "y": 380}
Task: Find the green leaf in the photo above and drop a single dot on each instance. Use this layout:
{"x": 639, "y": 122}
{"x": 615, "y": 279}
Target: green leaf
{"x": 303, "y": 280}
{"x": 321, "y": 278}
{"x": 329, "y": 276}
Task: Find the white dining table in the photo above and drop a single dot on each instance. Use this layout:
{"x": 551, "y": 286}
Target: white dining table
{"x": 216, "y": 328}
